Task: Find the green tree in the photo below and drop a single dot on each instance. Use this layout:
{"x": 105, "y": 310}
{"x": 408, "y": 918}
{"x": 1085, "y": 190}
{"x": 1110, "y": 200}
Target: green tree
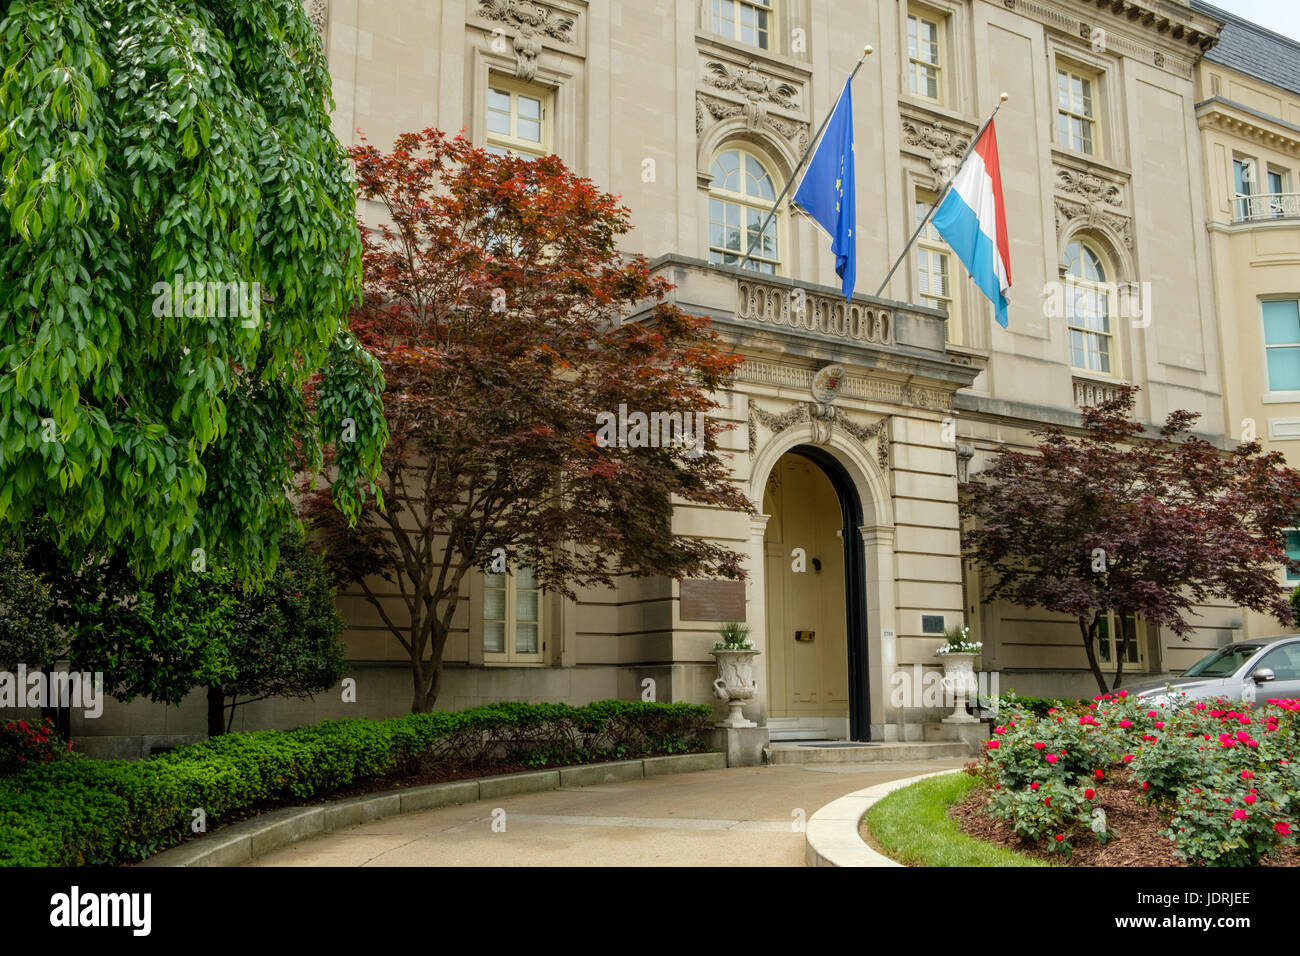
{"x": 27, "y": 634}
{"x": 178, "y": 252}
{"x": 162, "y": 637}
{"x": 511, "y": 330}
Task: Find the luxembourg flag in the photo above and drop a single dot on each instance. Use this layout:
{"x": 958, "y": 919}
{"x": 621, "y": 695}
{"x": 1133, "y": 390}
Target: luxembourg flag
{"x": 973, "y": 221}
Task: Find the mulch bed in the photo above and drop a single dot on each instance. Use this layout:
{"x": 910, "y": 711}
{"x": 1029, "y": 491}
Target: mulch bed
{"x": 1136, "y": 840}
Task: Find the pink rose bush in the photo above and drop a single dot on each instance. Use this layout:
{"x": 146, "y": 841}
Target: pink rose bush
{"x": 1223, "y": 772}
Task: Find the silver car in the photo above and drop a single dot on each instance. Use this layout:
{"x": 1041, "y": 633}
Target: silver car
{"x": 1248, "y": 671}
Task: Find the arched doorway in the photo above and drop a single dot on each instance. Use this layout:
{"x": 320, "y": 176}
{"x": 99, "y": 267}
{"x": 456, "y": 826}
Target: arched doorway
{"x": 815, "y": 600}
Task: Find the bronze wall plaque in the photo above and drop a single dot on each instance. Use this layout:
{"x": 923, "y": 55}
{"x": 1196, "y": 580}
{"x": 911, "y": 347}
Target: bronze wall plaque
{"x": 704, "y": 600}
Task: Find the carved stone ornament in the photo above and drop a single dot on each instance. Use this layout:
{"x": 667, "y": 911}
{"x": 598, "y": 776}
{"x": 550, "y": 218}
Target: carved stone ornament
{"x": 1092, "y": 215}
{"x": 1093, "y": 200}
{"x": 944, "y": 147}
{"x": 822, "y": 416}
{"x": 531, "y": 21}
{"x": 828, "y": 383}
{"x": 1091, "y": 189}
{"x": 757, "y": 120}
{"x": 751, "y": 83}
{"x": 318, "y": 12}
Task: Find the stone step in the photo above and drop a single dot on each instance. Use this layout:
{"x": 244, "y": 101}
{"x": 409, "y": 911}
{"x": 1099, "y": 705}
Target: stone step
{"x": 814, "y": 751}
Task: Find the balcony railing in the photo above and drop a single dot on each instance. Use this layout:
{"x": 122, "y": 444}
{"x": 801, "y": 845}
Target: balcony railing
{"x": 1266, "y": 206}
{"x": 1089, "y": 391}
{"x": 788, "y": 308}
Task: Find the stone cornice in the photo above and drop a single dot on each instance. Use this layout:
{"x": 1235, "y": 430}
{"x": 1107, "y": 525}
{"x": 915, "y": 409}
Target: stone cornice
{"x": 1237, "y": 119}
{"x": 1163, "y": 33}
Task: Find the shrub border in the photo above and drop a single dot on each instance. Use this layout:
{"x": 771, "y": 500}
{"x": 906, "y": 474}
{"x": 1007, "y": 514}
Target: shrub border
{"x": 832, "y": 837}
{"x": 250, "y": 839}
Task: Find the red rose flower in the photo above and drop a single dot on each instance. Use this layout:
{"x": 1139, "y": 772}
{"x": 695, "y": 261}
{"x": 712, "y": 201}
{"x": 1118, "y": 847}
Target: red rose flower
{"x": 1089, "y": 793}
{"x": 1238, "y": 814}
{"x": 1060, "y": 837}
{"x": 1283, "y": 828}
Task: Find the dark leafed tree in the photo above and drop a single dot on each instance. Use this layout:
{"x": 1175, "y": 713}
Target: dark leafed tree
{"x": 178, "y": 252}
{"x": 495, "y": 302}
{"x": 1114, "y": 520}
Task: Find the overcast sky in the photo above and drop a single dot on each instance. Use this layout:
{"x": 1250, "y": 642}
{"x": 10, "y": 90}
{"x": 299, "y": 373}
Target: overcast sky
{"x": 1280, "y": 16}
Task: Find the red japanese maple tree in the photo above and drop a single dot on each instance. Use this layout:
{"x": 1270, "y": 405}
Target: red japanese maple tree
{"x": 1115, "y": 521}
{"x": 505, "y": 320}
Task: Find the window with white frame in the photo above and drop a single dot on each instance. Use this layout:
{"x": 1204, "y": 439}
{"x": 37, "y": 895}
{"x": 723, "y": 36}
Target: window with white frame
{"x": 934, "y": 272}
{"x": 925, "y": 55}
{"x": 513, "y": 631}
{"x": 1076, "y": 111}
{"x": 1112, "y": 645}
{"x": 518, "y": 118}
{"x": 1282, "y": 343}
{"x": 749, "y": 21}
{"x": 1293, "y": 552}
{"x": 1243, "y": 181}
{"x": 1088, "y": 310}
{"x": 740, "y": 198}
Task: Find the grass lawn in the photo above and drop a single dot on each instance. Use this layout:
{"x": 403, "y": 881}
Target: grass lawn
{"x": 912, "y": 826}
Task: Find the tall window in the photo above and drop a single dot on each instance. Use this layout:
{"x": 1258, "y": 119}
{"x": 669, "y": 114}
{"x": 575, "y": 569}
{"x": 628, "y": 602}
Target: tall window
{"x": 934, "y": 268}
{"x": 1292, "y": 552}
{"x": 1088, "y": 310}
{"x": 1279, "y": 204}
{"x": 1282, "y": 344}
{"x": 1243, "y": 179}
{"x": 1075, "y": 112}
{"x": 740, "y": 197}
{"x": 518, "y": 119}
{"x": 512, "y": 618}
{"x": 923, "y": 55}
{"x": 749, "y": 21}
{"x": 1112, "y": 645}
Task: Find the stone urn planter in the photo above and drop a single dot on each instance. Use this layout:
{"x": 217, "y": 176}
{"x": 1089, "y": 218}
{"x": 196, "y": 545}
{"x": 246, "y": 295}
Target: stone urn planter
{"x": 958, "y": 655}
{"x": 959, "y": 680}
{"x": 735, "y": 683}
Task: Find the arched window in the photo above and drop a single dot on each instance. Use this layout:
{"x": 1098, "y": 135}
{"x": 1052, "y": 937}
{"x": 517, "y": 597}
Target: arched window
{"x": 740, "y": 197}
{"x": 1089, "y": 301}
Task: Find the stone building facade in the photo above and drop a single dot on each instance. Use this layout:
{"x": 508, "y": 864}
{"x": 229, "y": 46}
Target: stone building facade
{"x": 1248, "y": 110}
{"x": 697, "y": 112}
{"x": 853, "y": 421}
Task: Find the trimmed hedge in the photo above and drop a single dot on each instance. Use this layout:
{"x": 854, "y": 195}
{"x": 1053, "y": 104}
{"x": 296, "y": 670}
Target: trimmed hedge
{"x": 86, "y": 812}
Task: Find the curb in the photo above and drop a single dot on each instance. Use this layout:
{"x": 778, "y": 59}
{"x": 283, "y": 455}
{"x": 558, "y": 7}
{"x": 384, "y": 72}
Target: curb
{"x": 832, "y": 837}
{"x": 269, "y": 831}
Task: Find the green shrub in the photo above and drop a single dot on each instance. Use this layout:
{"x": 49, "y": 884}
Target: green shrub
{"x": 85, "y": 812}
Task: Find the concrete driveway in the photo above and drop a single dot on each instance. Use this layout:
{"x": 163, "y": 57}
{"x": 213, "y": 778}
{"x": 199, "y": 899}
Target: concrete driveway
{"x": 748, "y": 815}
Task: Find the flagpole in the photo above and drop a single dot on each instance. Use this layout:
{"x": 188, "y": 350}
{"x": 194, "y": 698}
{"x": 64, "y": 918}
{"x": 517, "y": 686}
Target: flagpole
{"x": 943, "y": 192}
{"x": 866, "y": 52}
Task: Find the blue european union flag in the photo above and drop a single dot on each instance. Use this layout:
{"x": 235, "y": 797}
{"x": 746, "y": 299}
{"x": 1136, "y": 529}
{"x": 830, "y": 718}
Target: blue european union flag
{"x": 826, "y": 192}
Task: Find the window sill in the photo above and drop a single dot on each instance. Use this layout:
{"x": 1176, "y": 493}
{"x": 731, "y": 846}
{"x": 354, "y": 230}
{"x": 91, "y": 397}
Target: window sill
{"x": 1086, "y": 162}
{"x": 748, "y": 52}
{"x": 489, "y": 662}
{"x": 1280, "y": 398}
